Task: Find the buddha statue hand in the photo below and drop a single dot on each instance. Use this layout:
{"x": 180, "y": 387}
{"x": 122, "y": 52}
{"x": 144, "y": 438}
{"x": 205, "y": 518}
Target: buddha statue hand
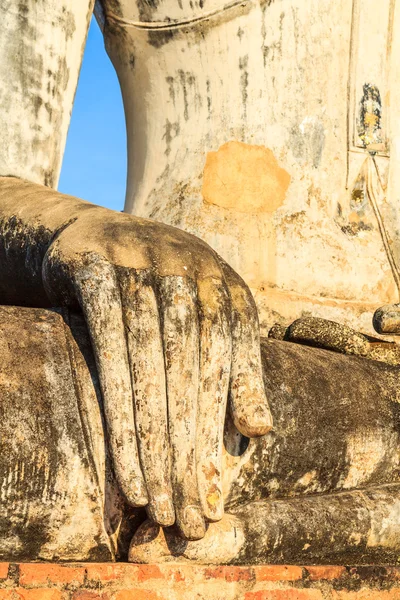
{"x": 387, "y": 319}
{"x": 174, "y": 332}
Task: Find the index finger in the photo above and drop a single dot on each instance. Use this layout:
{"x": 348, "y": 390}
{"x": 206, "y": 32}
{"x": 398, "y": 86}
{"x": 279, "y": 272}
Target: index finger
{"x": 98, "y": 293}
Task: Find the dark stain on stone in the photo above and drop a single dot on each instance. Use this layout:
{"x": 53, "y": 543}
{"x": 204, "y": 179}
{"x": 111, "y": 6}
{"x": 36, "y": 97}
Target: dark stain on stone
{"x": 63, "y": 73}
{"x": 48, "y": 177}
{"x": 67, "y": 21}
{"x": 182, "y": 77}
{"x": 31, "y": 537}
{"x": 209, "y": 101}
{"x": 17, "y": 239}
{"x": 37, "y": 103}
{"x": 244, "y": 81}
{"x": 187, "y": 81}
{"x": 171, "y": 132}
{"x": 274, "y": 49}
{"x": 353, "y": 229}
{"x": 146, "y": 9}
{"x": 113, "y": 6}
{"x": 307, "y": 142}
{"x": 171, "y": 89}
{"x": 158, "y": 39}
{"x": 359, "y": 196}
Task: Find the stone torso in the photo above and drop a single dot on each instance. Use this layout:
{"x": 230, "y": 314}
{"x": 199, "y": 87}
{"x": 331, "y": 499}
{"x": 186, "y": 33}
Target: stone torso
{"x": 252, "y": 125}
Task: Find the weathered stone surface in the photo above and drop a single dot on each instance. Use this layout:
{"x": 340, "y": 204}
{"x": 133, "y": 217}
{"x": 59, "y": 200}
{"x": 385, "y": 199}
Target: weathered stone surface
{"x": 323, "y": 484}
{"x": 173, "y": 330}
{"x": 270, "y": 129}
{"x": 52, "y": 461}
{"x": 322, "y": 333}
{"x": 41, "y": 49}
{"x": 335, "y": 425}
{"x": 276, "y": 147}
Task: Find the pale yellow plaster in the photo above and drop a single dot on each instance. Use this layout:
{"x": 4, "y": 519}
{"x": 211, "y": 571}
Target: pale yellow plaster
{"x": 244, "y": 178}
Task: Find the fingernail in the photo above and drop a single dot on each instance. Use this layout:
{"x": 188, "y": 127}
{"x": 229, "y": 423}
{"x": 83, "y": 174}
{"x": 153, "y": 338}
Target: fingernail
{"x": 192, "y": 523}
{"x": 214, "y": 509}
{"x": 162, "y": 511}
{"x": 262, "y": 419}
{"x": 256, "y": 421}
{"x": 139, "y": 493}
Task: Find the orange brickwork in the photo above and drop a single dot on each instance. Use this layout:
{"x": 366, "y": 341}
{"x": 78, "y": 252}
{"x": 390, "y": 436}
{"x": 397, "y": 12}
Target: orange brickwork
{"x": 121, "y": 581}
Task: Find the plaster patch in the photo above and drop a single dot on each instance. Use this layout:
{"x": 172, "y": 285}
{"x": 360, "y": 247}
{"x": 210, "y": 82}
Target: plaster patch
{"x": 244, "y": 178}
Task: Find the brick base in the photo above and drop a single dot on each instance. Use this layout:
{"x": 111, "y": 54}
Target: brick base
{"x": 50, "y": 581}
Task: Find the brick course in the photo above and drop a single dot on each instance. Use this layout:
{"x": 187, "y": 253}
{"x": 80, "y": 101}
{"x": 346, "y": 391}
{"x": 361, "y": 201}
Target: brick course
{"x": 122, "y": 581}
{"x": 32, "y": 574}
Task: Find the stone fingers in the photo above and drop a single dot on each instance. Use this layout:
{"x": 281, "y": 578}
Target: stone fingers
{"x": 386, "y": 319}
{"x": 146, "y": 357}
{"x": 168, "y": 349}
{"x": 215, "y": 363}
{"x": 180, "y": 329}
{"x": 98, "y": 293}
{"x": 248, "y": 402}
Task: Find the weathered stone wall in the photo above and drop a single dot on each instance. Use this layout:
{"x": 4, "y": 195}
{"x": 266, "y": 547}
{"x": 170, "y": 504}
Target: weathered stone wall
{"x": 184, "y": 582}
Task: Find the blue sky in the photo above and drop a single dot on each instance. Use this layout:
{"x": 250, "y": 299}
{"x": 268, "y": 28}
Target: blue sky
{"x": 94, "y": 166}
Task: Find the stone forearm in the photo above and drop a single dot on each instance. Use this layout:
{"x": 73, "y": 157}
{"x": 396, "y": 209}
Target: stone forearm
{"x": 41, "y": 47}
{"x": 361, "y": 526}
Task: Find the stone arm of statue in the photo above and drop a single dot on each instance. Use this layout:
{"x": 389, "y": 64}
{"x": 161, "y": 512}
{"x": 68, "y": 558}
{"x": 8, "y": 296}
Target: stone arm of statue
{"x": 173, "y": 329}
{"x": 323, "y": 333}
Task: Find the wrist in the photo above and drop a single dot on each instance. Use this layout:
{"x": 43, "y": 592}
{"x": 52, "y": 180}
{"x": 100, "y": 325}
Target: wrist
{"x": 31, "y": 217}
